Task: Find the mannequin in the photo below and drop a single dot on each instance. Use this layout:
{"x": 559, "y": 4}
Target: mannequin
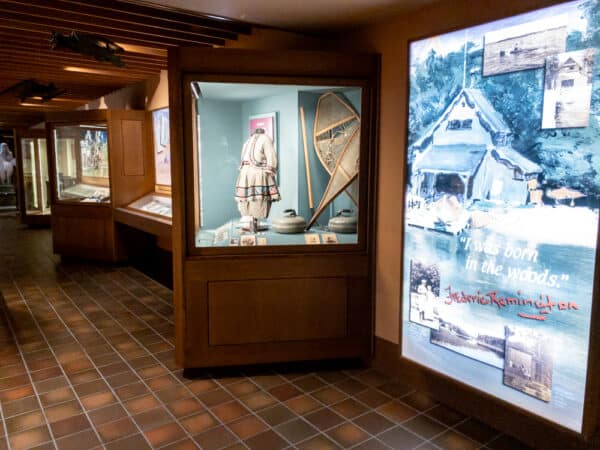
{"x": 256, "y": 186}
{"x": 7, "y": 164}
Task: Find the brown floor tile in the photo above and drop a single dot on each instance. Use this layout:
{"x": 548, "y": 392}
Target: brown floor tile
{"x": 296, "y": 430}
{"x": 20, "y": 406}
{"x": 324, "y": 419}
{"x": 63, "y": 411}
{"x": 400, "y": 438}
{"x": 90, "y": 387}
{"x": 116, "y": 430}
{"x": 329, "y": 395}
{"x": 46, "y": 374}
{"x": 258, "y": 400}
{"x": 131, "y": 391}
{"x": 98, "y": 400}
{"x": 303, "y": 404}
{"x": 215, "y": 397}
{"x": 57, "y": 396}
{"x": 162, "y": 382}
{"x": 318, "y": 443}
{"x": 276, "y": 414}
{"x": 373, "y": 423}
{"x": 266, "y": 440}
{"x": 215, "y": 438}
{"x": 16, "y": 393}
{"x": 247, "y": 427}
{"x": 29, "y": 438}
{"x": 397, "y": 411}
{"x": 419, "y": 401}
{"x": 284, "y": 392}
{"x": 51, "y": 384}
{"x": 185, "y": 407}
{"x": 69, "y": 426}
{"x": 395, "y": 389}
{"x": 351, "y": 386}
{"x": 84, "y": 377}
{"x": 25, "y": 421}
{"x": 452, "y": 440}
{"x": 153, "y": 371}
{"x": 80, "y": 441}
{"x": 446, "y": 415}
{"x": 198, "y": 423}
{"x": 107, "y": 414}
{"x": 268, "y": 381}
{"x": 228, "y": 412}
{"x": 12, "y": 382}
{"x": 309, "y": 383}
{"x": 173, "y": 393}
{"x": 141, "y": 404}
{"x": 372, "y": 444}
{"x": 165, "y": 434}
{"x": 136, "y": 441}
{"x": 372, "y": 397}
{"x": 185, "y": 444}
{"x": 242, "y": 388}
{"x": 349, "y": 408}
{"x": 122, "y": 379}
{"x": 78, "y": 365}
{"x": 347, "y": 435}
{"x": 152, "y": 418}
{"x": 424, "y": 426}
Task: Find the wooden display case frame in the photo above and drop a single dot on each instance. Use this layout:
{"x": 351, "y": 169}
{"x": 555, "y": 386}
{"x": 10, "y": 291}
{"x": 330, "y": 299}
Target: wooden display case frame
{"x": 31, "y": 219}
{"x": 306, "y": 302}
{"x": 87, "y": 230}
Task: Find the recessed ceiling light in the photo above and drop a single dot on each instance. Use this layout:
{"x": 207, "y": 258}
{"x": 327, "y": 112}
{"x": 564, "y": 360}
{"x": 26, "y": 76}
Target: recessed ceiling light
{"x": 87, "y": 70}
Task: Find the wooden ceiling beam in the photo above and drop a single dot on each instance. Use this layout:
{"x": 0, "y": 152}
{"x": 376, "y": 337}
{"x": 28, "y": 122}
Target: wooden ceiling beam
{"x": 39, "y": 48}
{"x": 47, "y": 26}
{"x": 82, "y": 12}
{"x": 97, "y": 25}
{"x": 71, "y": 59}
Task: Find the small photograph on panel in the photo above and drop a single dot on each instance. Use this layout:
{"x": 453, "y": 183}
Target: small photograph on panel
{"x": 248, "y": 241}
{"x": 568, "y": 89}
{"x": 424, "y": 294}
{"x": 525, "y": 46}
{"x": 528, "y": 362}
{"x": 466, "y": 336}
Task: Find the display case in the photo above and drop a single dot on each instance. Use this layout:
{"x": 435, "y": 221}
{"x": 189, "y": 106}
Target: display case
{"x": 8, "y": 171}
{"x": 95, "y": 155}
{"x": 151, "y": 212}
{"x": 273, "y": 200}
{"x": 34, "y": 179}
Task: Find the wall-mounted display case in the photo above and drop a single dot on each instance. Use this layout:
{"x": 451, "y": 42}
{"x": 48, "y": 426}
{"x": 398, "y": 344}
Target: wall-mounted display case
{"x": 501, "y": 225}
{"x": 8, "y": 170}
{"x": 152, "y": 211}
{"x": 273, "y": 155}
{"x": 82, "y": 163}
{"x": 273, "y": 146}
{"x": 97, "y": 158}
{"x": 32, "y": 163}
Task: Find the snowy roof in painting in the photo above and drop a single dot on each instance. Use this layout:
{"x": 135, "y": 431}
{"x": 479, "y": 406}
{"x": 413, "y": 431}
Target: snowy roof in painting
{"x": 493, "y": 117}
{"x": 515, "y": 159}
{"x": 450, "y": 158}
{"x": 475, "y": 98}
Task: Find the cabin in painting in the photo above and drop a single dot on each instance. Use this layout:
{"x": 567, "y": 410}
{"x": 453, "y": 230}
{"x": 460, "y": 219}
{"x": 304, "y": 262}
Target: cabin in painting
{"x": 467, "y": 154}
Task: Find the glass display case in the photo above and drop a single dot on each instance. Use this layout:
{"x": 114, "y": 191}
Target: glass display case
{"x": 155, "y": 204}
{"x": 35, "y": 177}
{"x": 162, "y": 150}
{"x": 278, "y": 164}
{"x": 8, "y": 171}
{"x": 82, "y": 164}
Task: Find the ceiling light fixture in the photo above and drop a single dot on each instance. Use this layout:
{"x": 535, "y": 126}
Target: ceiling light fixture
{"x": 88, "y": 70}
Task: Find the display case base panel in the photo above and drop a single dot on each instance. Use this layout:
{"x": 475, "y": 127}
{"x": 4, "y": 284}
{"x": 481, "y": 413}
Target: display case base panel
{"x": 233, "y": 234}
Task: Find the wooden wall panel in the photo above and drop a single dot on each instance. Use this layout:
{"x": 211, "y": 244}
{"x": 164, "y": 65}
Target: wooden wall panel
{"x": 132, "y": 147}
{"x": 244, "y": 312}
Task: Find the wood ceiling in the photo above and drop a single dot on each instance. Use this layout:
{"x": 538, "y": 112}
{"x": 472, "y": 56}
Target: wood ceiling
{"x": 144, "y": 31}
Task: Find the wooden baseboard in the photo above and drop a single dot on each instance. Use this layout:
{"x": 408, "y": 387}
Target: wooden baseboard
{"x": 505, "y": 417}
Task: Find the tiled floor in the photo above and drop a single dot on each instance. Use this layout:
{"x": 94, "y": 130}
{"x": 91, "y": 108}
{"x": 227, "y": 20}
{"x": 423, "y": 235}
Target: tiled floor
{"x": 86, "y": 361}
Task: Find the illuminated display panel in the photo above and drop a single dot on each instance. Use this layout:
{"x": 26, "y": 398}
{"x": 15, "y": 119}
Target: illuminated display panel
{"x": 501, "y": 207}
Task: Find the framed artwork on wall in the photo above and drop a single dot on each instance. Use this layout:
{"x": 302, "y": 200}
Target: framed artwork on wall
{"x": 501, "y": 209}
{"x": 267, "y": 122}
{"x": 162, "y": 148}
